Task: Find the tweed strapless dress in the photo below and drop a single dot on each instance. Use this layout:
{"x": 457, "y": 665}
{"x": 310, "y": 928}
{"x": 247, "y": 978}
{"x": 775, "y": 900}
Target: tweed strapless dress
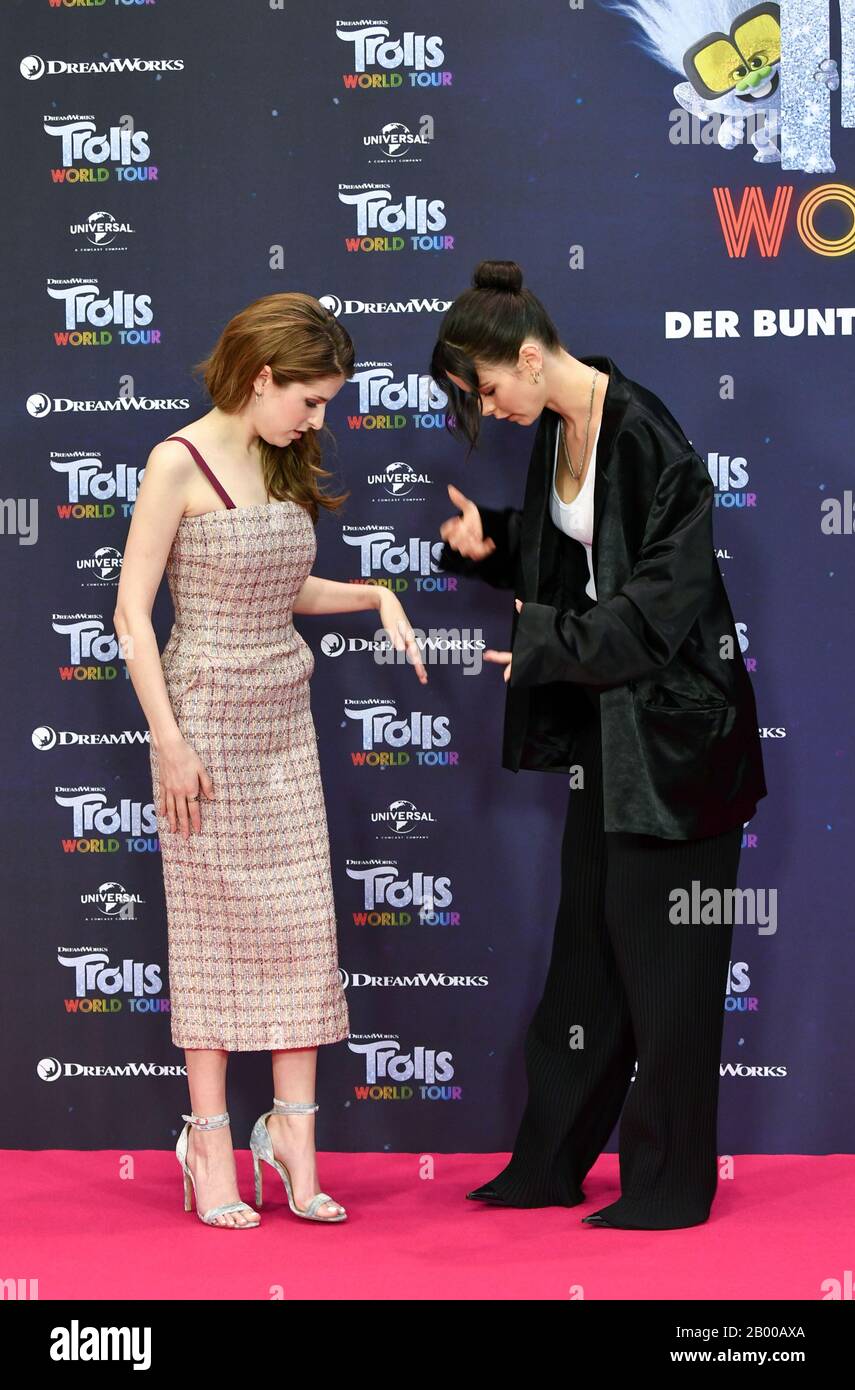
{"x": 251, "y": 925}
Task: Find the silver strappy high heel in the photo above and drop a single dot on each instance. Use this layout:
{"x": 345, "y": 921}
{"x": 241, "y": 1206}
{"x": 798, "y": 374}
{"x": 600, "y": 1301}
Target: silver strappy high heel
{"x": 209, "y": 1217}
{"x": 262, "y": 1148}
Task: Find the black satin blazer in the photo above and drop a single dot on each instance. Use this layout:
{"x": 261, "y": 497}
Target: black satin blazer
{"x": 682, "y": 755}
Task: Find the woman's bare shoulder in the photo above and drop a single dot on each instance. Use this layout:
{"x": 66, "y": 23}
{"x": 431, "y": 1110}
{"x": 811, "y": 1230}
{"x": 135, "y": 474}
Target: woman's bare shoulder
{"x": 170, "y": 459}
{"x": 168, "y": 477}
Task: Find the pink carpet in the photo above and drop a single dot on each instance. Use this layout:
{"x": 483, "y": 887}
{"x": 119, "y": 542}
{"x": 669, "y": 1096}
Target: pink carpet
{"x": 107, "y": 1225}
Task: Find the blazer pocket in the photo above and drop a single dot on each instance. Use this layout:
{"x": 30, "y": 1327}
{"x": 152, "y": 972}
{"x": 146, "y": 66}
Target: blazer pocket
{"x": 667, "y": 700}
{"x": 679, "y": 745}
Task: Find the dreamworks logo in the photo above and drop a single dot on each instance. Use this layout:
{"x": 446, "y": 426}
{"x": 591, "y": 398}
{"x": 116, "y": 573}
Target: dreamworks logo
{"x": 45, "y": 737}
{"x": 396, "y": 139}
{"x": 33, "y": 67}
{"x": 423, "y": 980}
{"x": 51, "y": 1069}
{"x": 437, "y": 647}
{"x": 40, "y": 404}
{"x": 338, "y": 306}
{"x": 743, "y": 1070}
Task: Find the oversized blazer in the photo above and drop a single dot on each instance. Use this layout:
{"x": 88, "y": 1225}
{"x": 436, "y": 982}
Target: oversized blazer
{"x": 681, "y": 749}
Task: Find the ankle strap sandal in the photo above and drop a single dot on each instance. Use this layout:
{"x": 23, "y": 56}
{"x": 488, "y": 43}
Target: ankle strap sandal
{"x": 262, "y": 1149}
{"x": 209, "y": 1217}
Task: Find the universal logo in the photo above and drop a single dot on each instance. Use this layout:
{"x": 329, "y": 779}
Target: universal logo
{"x": 403, "y": 816}
{"x": 396, "y": 139}
{"x": 105, "y": 564}
{"x": 101, "y": 229}
{"x": 399, "y": 480}
{"x": 113, "y": 901}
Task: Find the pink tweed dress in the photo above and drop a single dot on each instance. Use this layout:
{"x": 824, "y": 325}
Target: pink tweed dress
{"x": 251, "y": 926}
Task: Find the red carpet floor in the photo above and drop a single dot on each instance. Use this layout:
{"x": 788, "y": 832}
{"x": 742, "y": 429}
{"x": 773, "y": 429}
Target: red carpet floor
{"x": 107, "y": 1225}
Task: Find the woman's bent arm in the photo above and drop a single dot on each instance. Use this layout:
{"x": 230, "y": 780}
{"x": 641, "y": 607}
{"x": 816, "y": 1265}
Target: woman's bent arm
{"x": 330, "y": 596}
{"x": 499, "y": 569}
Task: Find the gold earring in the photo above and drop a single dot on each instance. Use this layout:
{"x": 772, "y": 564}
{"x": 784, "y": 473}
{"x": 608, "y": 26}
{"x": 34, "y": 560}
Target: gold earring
{"x": 535, "y": 376}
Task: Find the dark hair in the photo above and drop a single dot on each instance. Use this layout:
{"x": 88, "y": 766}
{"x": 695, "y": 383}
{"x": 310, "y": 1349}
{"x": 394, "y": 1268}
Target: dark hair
{"x": 488, "y": 324}
{"x": 301, "y": 341}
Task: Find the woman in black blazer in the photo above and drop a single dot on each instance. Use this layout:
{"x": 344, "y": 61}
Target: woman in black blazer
{"x": 625, "y": 672}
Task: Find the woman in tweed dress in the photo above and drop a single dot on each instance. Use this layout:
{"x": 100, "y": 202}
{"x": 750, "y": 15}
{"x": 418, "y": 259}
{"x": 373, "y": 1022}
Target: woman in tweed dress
{"x": 228, "y": 509}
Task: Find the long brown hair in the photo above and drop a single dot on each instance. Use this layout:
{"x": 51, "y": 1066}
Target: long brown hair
{"x": 301, "y": 341}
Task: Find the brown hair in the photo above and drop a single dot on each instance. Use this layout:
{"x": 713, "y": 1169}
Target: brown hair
{"x": 301, "y": 341}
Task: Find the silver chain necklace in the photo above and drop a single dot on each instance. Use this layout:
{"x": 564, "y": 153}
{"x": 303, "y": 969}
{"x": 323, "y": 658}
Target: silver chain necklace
{"x": 587, "y": 428}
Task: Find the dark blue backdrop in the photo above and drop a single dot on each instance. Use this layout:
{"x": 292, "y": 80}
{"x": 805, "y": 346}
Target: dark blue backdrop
{"x": 548, "y": 136}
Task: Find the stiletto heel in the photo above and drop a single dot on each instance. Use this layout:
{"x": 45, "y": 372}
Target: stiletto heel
{"x": 209, "y": 1217}
{"x": 262, "y": 1149}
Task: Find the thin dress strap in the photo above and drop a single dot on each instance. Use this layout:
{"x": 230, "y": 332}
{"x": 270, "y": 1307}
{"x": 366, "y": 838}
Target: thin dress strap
{"x": 205, "y": 469}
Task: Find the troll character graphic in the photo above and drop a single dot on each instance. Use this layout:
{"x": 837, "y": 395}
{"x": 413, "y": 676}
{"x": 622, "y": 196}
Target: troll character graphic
{"x": 731, "y": 58}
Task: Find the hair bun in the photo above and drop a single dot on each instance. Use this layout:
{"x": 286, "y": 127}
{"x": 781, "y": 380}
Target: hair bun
{"x": 498, "y": 275}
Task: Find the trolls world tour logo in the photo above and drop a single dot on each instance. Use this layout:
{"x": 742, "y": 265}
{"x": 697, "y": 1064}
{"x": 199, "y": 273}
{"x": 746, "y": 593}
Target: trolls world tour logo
{"x": 390, "y": 740}
{"x": 386, "y": 896}
{"x": 90, "y": 155}
{"x": 95, "y": 492}
{"x": 90, "y": 316}
{"x": 98, "y": 983}
{"x": 385, "y": 560}
{"x": 371, "y": 45}
{"x": 92, "y": 649}
{"x": 392, "y": 1074}
{"x": 102, "y": 826}
{"x": 380, "y": 219}
{"x": 389, "y": 402}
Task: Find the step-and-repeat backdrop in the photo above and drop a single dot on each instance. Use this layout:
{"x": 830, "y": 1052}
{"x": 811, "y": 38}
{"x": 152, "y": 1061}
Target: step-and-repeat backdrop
{"x": 680, "y": 191}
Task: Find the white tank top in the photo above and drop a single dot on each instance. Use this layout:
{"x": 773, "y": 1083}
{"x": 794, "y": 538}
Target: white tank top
{"x": 576, "y": 518}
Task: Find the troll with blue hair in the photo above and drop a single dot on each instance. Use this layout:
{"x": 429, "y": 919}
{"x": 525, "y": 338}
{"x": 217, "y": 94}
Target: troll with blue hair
{"x": 731, "y": 58}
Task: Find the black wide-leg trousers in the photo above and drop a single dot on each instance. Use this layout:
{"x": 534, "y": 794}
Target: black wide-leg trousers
{"x": 626, "y": 984}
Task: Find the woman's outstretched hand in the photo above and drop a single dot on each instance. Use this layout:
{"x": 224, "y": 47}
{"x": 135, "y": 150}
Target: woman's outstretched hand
{"x": 464, "y": 533}
{"x": 394, "y": 620}
{"x": 503, "y": 658}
